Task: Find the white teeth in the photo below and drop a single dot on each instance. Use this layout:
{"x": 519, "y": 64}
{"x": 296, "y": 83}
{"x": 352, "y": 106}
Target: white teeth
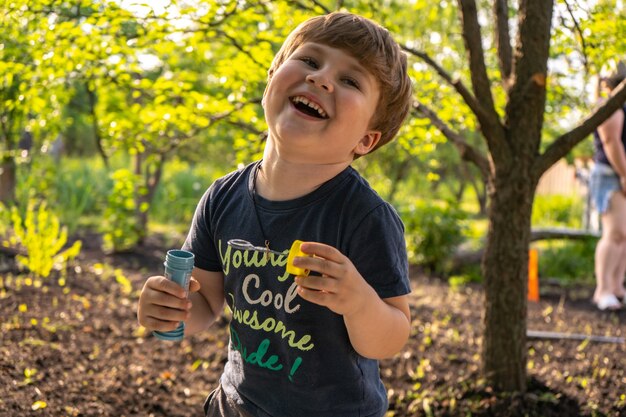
{"x": 304, "y": 100}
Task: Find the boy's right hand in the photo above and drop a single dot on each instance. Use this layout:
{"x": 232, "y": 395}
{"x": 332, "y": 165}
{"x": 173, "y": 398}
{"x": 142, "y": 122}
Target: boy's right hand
{"x": 162, "y": 303}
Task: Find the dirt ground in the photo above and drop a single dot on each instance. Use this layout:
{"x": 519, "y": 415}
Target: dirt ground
{"x": 76, "y": 350}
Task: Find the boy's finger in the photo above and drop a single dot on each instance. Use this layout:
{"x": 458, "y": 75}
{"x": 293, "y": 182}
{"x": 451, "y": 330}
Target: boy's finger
{"x": 160, "y": 283}
{"x": 168, "y": 314}
{"x": 163, "y": 299}
{"x": 160, "y": 325}
{"x": 194, "y": 285}
{"x": 321, "y": 250}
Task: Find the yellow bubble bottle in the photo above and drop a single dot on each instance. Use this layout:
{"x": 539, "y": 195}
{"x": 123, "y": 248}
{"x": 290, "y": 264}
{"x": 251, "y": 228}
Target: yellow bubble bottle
{"x": 293, "y": 252}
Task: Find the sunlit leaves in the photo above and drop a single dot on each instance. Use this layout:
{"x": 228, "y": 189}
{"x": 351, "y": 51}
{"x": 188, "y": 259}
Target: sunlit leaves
{"x": 38, "y": 405}
{"x": 42, "y": 237}
{"x": 227, "y": 46}
{"x": 119, "y": 225}
{"x": 29, "y": 375}
{"x": 604, "y": 30}
{"x": 123, "y": 281}
{"x": 166, "y": 79}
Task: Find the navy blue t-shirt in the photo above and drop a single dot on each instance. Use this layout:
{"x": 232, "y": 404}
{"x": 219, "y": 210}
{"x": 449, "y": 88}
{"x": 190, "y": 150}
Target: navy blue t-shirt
{"x": 287, "y": 356}
{"x": 599, "y": 154}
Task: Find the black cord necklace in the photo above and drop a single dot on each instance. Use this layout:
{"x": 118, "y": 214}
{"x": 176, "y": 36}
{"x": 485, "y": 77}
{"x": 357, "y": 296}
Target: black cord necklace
{"x": 257, "y": 168}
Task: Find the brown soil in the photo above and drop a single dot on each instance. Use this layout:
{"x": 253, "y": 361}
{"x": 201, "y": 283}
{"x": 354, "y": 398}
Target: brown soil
{"x": 76, "y": 350}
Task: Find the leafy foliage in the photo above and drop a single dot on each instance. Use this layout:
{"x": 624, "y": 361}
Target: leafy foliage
{"x": 119, "y": 227}
{"x": 568, "y": 261}
{"x": 433, "y": 231}
{"x": 74, "y": 188}
{"x": 172, "y": 80}
{"x": 182, "y": 186}
{"x": 40, "y": 234}
{"x": 557, "y": 210}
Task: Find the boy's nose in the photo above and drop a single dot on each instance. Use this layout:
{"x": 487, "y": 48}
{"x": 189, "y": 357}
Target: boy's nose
{"x": 320, "y": 81}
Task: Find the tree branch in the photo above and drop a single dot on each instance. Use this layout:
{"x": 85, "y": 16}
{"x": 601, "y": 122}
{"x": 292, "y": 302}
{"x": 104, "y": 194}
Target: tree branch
{"x": 238, "y": 46}
{"x": 458, "y": 85}
{"x": 463, "y": 258}
{"x": 526, "y": 104}
{"x": 503, "y": 37}
{"x": 316, "y": 3}
{"x": 213, "y": 119}
{"x": 467, "y": 151}
{"x": 480, "y": 80}
{"x": 564, "y": 143}
{"x": 92, "y": 98}
{"x": 583, "y": 43}
{"x": 246, "y": 126}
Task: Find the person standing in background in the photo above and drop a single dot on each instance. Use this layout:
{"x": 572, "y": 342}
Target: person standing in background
{"x": 608, "y": 191}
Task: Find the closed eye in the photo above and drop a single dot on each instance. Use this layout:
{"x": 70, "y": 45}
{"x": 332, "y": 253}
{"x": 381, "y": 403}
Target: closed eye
{"x": 351, "y": 82}
{"x": 309, "y": 61}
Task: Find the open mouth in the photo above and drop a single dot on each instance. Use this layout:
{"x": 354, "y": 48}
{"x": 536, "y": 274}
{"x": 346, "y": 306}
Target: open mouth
{"x": 308, "y": 107}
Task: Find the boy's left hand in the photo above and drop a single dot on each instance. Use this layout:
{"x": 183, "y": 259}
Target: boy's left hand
{"x": 341, "y": 287}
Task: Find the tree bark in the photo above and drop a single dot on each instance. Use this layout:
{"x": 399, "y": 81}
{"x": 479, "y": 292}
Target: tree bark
{"x": 150, "y": 177}
{"x": 91, "y": 94}
{"x": 141, "y": 219}
{"x": 7, "y": 179}
{"x": 505, "y": 268}
{"x": 511, "y": 192}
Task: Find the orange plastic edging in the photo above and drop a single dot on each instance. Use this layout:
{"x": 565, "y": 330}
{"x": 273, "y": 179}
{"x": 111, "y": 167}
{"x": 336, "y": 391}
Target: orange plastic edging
{"x": 533, "y": 275}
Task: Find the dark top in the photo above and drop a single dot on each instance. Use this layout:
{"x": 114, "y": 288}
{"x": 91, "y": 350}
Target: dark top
{"x": 286, "y": 356}
{"x": 599, "y": 154}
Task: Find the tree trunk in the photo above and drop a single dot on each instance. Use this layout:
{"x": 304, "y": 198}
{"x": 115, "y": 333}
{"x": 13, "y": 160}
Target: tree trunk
{"x": 8, "y": 179}
{"x": 91, "y": 94}
{"x": 141, "y": 217}
{"x": 514, "y": 145}
{"x": 505, "y": 268}
{"x": 151, "y": 177}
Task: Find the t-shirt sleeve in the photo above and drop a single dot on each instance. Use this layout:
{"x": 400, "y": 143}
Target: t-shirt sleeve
{"x": 200, "y": 237}
{"x": 378, "y": 251}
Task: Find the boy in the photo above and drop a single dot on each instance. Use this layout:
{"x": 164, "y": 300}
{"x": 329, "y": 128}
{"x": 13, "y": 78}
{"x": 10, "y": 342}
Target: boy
{"x": 305, "y": 345}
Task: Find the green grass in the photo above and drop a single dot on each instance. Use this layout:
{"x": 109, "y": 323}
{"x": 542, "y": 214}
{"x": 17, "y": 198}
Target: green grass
{"x": 180, "y": 190}
{"x": 73, "y": 188}
{"x": 76, "y": 189}
{"x": 567, "y": 261}
{"x": 558, "y": 210}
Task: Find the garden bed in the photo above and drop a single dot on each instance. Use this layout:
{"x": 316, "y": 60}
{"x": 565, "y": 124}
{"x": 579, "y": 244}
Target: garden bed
{"x": 76, "y": 350}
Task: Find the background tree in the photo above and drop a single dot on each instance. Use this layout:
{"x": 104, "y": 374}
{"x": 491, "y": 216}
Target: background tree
{"x": 31, "y": 85}
{"x": 509, "y": 106}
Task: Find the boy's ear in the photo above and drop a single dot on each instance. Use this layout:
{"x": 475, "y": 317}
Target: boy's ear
{"x": 367, "y": 142}
{"x": 270, "y": 73}
{"x": 264, "y": 94}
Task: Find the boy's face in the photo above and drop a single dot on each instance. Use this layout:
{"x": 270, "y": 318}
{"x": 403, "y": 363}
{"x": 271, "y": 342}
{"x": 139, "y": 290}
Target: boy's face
{"x": 319, "y": 104}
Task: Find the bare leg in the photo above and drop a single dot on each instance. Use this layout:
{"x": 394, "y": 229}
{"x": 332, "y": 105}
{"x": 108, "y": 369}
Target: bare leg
{"x": 618, "y": 201}
{"x": 618, "y": 279}
{"x": 606, "y": 256}
{"x": 610, "y": 261}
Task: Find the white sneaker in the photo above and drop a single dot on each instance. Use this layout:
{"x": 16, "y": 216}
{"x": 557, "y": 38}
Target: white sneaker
{"x": 608, "y": 302}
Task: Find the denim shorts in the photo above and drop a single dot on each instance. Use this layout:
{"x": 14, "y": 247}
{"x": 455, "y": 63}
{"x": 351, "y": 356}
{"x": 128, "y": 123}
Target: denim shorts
{"x": 603, "y": 182}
